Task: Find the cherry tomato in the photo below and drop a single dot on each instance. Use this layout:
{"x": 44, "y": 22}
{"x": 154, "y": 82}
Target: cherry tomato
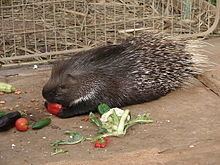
{"x": 97, "y": 145}
{"x": 21, "y": 124}
{"x": 54, "y": 108}
{"x": 102, "y": 143}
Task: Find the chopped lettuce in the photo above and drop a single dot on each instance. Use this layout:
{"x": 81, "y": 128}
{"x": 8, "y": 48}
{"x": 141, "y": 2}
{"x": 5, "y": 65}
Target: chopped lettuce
{"x": 57, "y": 150}
{"x": 141, "y": 119}
{"x": 95, "y": 120}
{"x": 74, "y": 138}
{"x": 113, "y": 122}
{"x": 103, "y": 108}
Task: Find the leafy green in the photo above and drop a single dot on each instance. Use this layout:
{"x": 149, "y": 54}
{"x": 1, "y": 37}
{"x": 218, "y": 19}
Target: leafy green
{"x": 103, "y": 108}
{"x": 57, "y": 150}
{"x": 102, "y": 130}
{"x": 122, "y": 123}
{"x": 110, "y": 121}
{"x": 141, "y": 119}
{"x": 74, "y": 138}
{"x": 95, "y": 120}
{"x": 113, "y": 122}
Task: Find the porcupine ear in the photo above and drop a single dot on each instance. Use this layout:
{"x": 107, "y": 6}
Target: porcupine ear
{"x": 58, "y": 67}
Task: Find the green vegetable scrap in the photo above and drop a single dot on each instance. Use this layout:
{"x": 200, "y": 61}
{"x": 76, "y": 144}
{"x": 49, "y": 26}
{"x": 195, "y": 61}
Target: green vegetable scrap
{"x": 41, "y": 123}
{"x": 116, "y": 121}
{"x": 2, "y": 113}
{"x": 103, "y": 108}
{"x": 141, "y": 119}
{"x": 95, "y": 120}
{"x": 57, "y": 150}
{"x": 113, "y": 122}
{"x": 6, "y": 88}
{"x": 74, "y": 138}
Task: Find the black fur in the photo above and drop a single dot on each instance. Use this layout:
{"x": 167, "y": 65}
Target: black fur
{"x": 137, "y": 70}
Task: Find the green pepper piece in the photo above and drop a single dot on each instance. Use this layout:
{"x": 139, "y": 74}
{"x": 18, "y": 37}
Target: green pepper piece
{"x": 41, "y": 123}
{"x": 2, "y": 113}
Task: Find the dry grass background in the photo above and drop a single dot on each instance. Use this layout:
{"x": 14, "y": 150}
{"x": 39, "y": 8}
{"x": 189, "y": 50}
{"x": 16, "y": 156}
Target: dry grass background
{"x": 36, "y": 30}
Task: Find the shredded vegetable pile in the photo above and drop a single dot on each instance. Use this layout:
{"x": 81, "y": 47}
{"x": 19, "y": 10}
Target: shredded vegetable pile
{"x": 112, "y": 122}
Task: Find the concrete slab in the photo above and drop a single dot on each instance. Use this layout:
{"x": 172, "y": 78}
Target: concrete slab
{"x": 186, "y": 129}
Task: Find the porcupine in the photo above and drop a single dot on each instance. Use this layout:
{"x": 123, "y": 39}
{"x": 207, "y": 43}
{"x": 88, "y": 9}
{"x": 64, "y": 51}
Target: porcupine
{"x": 137, "y": 70}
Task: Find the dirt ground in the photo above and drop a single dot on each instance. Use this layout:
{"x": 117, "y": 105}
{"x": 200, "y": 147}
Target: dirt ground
{"x": 186, "y": 128}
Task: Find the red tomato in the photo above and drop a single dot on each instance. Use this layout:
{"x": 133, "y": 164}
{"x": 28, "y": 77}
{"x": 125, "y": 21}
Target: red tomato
{"x": 97, "y": 145}
{"x": 21, "y": 124}
{"x": 54, "y": 108}
{"x": 102, "y": 143}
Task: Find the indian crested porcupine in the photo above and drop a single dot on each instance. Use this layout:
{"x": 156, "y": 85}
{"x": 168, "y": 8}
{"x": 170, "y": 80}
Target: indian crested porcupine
{"x": 137, "y": 70}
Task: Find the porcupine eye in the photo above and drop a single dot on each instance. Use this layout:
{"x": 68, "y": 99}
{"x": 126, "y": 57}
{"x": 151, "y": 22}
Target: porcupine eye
{"x": 70, "y": 79}
{"x": 62, "y": 86}
{"x": 67, "y": 84}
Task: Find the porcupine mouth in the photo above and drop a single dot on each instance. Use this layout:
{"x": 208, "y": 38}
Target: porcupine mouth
{"x": 60, "y": 111}
{"x": 61, "y": 102}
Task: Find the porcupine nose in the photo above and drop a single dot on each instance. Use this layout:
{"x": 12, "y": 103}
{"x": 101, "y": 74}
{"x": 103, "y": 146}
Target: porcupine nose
{"x": 48, "y": 94}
